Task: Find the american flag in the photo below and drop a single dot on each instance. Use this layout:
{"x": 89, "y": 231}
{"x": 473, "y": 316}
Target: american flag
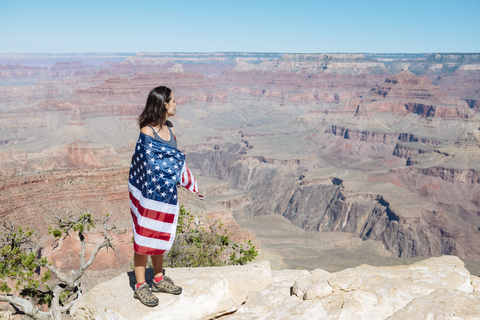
{"x": 154, "y": 172}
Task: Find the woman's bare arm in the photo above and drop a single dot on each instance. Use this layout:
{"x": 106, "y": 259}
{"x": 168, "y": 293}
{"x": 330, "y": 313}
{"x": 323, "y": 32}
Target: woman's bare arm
{"x": 148, "y": 131}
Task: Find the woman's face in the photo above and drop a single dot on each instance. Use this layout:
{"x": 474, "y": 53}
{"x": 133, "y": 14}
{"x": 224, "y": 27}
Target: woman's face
{"x": 171, "y": 106}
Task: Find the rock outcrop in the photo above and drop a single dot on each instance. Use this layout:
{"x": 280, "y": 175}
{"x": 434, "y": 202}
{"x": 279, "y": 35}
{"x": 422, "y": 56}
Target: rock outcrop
{"x": 365, "y": 135}
{"x": 434, "y": 288}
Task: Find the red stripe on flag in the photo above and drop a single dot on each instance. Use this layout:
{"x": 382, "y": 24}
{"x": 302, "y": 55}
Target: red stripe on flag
{"x": 149, "y": 233}
{"x": 147, "y": 251}
{"x": 152, "y": 214}
{"x": 189, "y": 177}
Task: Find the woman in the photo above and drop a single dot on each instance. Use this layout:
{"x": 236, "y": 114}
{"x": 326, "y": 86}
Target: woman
{"x": 157, "y": 166}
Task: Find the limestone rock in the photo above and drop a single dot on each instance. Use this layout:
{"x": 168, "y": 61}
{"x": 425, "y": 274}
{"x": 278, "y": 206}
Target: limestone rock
{"x": 436, "y": 288}
{"x": 207, "y": 292}
{"x": 442, "y": 304}
{"x": 318, "y": 290}
{"x": 475, "y": 283}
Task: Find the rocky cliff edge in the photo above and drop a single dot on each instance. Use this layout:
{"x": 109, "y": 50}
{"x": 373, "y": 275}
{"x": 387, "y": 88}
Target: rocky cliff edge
{"x": 436, "y": 288}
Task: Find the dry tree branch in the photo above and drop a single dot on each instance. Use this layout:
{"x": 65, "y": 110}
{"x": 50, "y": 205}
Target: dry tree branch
{"x": 105, "y": 243}
{"x": 26, "y": 307}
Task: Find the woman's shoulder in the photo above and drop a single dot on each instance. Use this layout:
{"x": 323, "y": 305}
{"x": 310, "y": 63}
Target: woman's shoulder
{"x": 147, "y": 130}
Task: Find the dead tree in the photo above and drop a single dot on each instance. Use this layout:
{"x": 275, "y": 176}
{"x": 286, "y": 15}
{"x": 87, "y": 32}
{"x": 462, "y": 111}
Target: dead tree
{"x": 20, "y": 265}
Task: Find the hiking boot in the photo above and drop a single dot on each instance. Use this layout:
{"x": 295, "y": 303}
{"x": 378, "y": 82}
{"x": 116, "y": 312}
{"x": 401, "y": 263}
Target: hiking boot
{"x": 167, "y": 279}
{"x": 145, "y": 296}
{"x": 167, "y": 286}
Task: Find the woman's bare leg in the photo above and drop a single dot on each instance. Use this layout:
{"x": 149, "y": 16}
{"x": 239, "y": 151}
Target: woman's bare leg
{"x": 157, "y": 262}
{"x": 140, "y": 264}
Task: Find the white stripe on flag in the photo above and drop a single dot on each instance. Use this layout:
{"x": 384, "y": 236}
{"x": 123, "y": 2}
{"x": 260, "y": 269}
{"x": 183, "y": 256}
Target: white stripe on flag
{"x": 153, "y": 224}
{"x": 153, "y": 243}
{"x": 152, "y": 204}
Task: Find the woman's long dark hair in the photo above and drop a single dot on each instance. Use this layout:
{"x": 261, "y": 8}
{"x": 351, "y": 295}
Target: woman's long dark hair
{"x": 155, "y": 113}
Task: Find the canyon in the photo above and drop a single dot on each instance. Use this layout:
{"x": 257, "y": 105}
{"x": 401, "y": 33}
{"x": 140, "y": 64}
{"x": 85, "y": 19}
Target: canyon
{"x": 323, "y": 160}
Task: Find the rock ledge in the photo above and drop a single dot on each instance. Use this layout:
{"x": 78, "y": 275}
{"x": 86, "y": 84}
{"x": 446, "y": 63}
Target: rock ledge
{"x": 436, "y": 288}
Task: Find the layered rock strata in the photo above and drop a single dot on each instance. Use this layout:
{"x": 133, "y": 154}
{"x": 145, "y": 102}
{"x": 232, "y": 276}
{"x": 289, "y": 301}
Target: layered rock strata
{"x": 438, "y": 64}
{"x": 304, "y": 78}
{"x": 205, "y": 63}
{"x": 405, "y": 93}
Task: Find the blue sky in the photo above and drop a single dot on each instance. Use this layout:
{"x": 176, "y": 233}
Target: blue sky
{"x": 388, "y": 26}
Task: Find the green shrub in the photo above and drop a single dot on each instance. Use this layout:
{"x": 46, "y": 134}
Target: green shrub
{"x": 197, "y": 245}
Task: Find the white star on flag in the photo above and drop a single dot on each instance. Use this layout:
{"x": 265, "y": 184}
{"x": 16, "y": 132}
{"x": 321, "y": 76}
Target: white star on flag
{"x": 163, "y": 194}
{"x": 149, "y": 171}
{"x": 150, "y": 191}
{"x": 150, "y": 145}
